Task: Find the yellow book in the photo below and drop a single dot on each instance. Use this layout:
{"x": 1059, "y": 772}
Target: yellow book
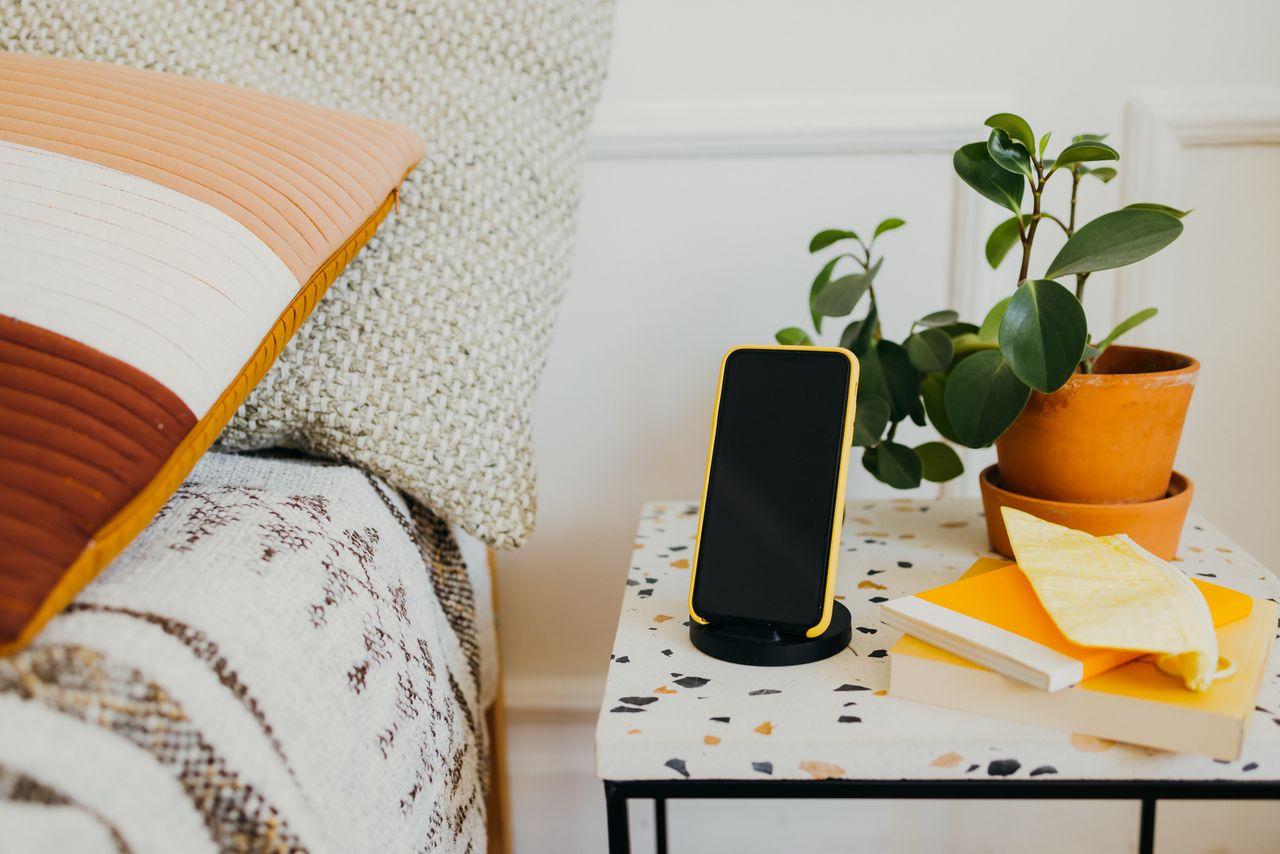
{"x": 992, "y": 616}
{"x": 1135, "y": 702}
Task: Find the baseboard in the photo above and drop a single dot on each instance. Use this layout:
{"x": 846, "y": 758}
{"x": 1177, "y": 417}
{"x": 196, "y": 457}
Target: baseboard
{"x": 571, "y": 695}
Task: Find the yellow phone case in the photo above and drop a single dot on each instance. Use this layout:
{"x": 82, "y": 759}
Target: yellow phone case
{"x": 837, "y": 517}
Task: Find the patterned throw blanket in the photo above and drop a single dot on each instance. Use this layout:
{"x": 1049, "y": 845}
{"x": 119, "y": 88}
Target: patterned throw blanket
{"x": 284, "y": 661}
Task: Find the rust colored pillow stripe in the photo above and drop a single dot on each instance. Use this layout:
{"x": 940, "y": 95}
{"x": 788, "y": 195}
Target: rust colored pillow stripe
{"x": 83, "y": 433}
{"x": 163, "y": 239}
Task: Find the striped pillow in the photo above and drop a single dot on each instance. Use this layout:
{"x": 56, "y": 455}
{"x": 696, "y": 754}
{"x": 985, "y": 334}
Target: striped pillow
{"x": 161, "y": 238}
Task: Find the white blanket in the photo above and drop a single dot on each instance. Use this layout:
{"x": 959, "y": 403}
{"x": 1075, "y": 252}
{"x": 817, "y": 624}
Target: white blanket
{"x": 286, "y": 660}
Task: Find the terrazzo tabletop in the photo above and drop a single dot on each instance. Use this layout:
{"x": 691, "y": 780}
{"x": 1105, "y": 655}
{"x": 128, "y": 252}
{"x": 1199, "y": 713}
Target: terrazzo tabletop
{"x": 672, "y": 713}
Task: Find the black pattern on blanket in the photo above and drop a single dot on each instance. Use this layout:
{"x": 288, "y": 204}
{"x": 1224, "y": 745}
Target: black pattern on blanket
{"x": 283, "y": 661}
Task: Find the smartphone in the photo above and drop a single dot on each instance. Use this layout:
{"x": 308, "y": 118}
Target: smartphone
{"x": 773, "y": 497}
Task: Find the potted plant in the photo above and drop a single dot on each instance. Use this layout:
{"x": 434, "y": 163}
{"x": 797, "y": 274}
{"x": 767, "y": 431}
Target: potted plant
{"x": 894, "y": 377}
{"x": 1085, "y": 431}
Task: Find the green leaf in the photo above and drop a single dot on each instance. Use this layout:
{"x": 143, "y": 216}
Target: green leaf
{"x": 1016, "y": 127}
{"x": 1114, "y": 240}
{"x": 940, "y": 462}
{"x": 870, "y": 417}
{"x": 1002, "y": 239}
{"x": 933, "y": 391}
{"x": 1102, "y": 173}
{"x": 990, "y": 329}
{"x": 1124, "y": 326}
{"x": 1044, "y": 143}
{"x": 793, "y": 336}
{"x": 975, "y": 167}
{"x": 887, "y": 372}
{"x": 839, "y": 298}
{"x": 869, "y": 462}
{"x": 946, "y": 317}
{"x": 968, "y": 342}
{"x": 1153, "y": 206}
{"x": 1085, "y": 151}
{"x": 819, "y": 285}
{"x": 888, "y": 225}
{"x": 983, "y": 397}
{"x": 898, "y": 465}
{"x": 849, "y": 337}
{"x": 917, "y": 413}
{"x": 1043, "y": 333}
{"x": 929, "y": 350}
{"x": 857, "y": 336}
{"x": 959, "y": 328}
{"x": 1089, "y": 137}
{"x": 1007, "y": 154}
{"x": 823, "y": 239}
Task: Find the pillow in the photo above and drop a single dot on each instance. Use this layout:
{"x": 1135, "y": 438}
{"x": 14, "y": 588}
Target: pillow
{"x": 421, "y": 364}
{"x": 162, "y": 238}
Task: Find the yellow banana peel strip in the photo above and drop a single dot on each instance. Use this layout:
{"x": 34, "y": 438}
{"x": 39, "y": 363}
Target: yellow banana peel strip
{"x": 1110, "y": 592}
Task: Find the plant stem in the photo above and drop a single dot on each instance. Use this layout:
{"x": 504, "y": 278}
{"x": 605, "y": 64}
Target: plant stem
{"x": 1071, "y": 229}
{"x": 1075, "y": 182}
{"x": 1081, "y": 278}
{"x": 1036, "y": 188}
{"x": 893, "y": 428}
{"x": 1047, "y": 215}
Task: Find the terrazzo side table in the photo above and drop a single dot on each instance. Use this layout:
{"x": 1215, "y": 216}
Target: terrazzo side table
{"x": 678, "y": 724}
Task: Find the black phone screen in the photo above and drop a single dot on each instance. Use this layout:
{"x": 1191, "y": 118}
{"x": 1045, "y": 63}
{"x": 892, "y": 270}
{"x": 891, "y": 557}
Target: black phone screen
{"x": 767, "y": 516}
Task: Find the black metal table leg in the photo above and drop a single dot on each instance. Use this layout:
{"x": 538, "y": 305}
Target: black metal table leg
{"x": 660, "y": 825}
{"x": 615, "y": 805}
{"x": 1147, "y": 827}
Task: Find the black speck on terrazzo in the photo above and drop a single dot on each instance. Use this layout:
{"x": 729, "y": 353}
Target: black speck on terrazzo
{"x": 760, "y": 692}
{"x": 848, "y": 687}
{"x": 692, "y": 682}
{"x": 1003, "y": 767}
{"x": 678, "y": 766}
{"x": 762, "y": 767}
{"x": 638, "y": 701}
{"x": 1044, "y": 769}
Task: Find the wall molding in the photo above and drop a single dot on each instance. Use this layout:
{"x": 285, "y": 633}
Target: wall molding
{"x": 792, "y": 127}
{"x": 1159, "y": 129}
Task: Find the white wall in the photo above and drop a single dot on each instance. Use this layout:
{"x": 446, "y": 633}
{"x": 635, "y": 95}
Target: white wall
{"x": 729, "y": 133}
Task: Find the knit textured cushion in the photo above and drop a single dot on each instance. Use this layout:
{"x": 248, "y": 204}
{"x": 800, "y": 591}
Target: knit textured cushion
{"x": 161, "y": 238}
{"x": 422, "y": 362}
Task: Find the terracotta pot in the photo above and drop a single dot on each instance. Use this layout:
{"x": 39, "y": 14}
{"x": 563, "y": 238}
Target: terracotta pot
{"x": 1106, "y": 437}
{"x": 1154, "y": 525}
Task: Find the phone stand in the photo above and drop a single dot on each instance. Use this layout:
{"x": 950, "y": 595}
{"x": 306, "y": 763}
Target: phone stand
{"x": 746, "y": 644}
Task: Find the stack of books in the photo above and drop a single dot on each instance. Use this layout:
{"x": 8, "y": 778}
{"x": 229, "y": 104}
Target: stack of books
{"x": 985, "y": 644}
